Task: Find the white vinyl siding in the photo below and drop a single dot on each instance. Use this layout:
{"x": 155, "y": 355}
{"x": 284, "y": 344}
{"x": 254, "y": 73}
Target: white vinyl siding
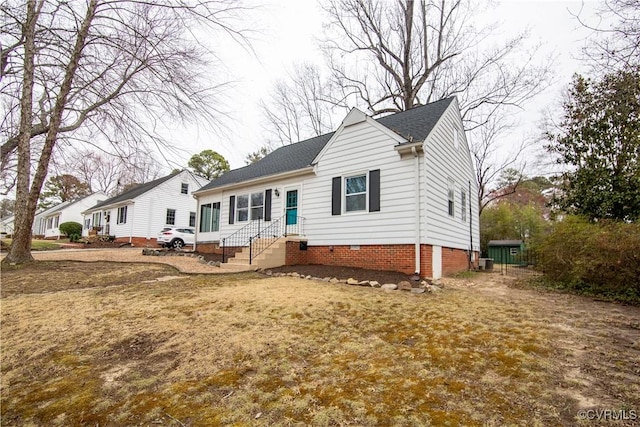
{"x": 442, "y": 162}
{"x": 358, "y": 148}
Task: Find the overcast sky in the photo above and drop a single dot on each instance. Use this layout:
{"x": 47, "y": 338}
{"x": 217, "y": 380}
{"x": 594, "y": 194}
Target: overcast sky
{"x": 287, "y": 36}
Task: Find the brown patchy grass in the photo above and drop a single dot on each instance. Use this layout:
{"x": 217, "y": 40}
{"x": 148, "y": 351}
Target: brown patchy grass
{"x": 248, "y": 350}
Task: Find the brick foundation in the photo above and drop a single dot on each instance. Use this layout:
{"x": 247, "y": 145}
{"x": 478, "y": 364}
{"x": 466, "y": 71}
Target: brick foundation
{"x": 141, "y": 242}
{"x": 378, "y": 257}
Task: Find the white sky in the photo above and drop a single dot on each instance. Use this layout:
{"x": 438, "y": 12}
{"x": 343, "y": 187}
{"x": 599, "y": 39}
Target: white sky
{"x": 286, "y": 37}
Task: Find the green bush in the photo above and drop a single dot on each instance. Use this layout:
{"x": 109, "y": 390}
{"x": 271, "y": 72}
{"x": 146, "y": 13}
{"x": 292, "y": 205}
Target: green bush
{"x": 593, "y": 258}
{"x": 70, "y": 228}
{"x": 74, "y": 237}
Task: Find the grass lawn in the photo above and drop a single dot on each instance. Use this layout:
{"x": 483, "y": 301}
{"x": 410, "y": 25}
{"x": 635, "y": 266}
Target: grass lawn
{"x": 104, "y": 345}
{"x": 40, "y": 245}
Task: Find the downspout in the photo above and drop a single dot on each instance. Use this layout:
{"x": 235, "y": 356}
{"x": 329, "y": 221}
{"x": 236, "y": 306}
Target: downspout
{"x": 132, "y": 219}
{"x": 470, "y": 228}
{"x": 417, "y": 198}
{"x": 197, "y": 224}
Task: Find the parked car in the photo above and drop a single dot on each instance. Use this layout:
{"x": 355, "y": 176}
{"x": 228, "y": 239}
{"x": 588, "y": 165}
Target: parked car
{"x": 176, "y": 237}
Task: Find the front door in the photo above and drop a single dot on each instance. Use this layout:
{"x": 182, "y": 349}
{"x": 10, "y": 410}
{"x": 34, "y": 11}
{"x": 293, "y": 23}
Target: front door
{"x": 292, "y": 207}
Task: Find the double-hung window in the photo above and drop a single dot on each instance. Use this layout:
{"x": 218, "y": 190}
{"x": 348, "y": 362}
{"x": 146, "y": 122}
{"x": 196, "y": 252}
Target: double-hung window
{"x": 257, "y": 206}
{"x": 250, "y": 206}
{"x": 192, "y": 219}
{"x": 184, "y": 188}
{"x": 355, "y": 193}
{"x": 171, "y": 217}
{"x": 450, "y": 198}
{"x": 122, "y": 215}
{"x": 242, "y": 208}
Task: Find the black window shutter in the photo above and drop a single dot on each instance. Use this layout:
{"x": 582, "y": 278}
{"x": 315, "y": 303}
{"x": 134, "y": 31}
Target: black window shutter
{"x": 267, "y": 205}
{"x": 374, "y": 190}
{"x": 336, "y": 196}
{"x": 232, "y": 209}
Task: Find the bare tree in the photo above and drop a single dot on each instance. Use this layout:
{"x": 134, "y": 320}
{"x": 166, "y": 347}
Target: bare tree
{"x": 79, "y": 72}
{"x": 615, "y": 42}
{"x": 106, "y": 172}
{"x": 395, "y": 56}
{"x": 298, "y": 107}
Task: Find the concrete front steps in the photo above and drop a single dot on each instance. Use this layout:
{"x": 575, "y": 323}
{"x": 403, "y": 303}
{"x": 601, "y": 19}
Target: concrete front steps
{"x": 273, "y": 256}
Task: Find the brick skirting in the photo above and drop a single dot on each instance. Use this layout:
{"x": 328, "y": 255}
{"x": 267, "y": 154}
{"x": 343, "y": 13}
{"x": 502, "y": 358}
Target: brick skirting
{"x": 378, "y": 257}
{"x": 141, "y": 242}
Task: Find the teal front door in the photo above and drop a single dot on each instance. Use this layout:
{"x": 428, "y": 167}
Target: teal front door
{"x": 292, "y": 207}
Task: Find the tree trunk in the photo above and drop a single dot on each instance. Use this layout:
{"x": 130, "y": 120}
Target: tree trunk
{"x": 20, "y": 251}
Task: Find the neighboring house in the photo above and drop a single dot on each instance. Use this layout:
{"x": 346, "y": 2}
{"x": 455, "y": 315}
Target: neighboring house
{"x": 6, "y": 224}
{"x": 139, "y": 214}
{"x": 47, "y": 223}
{"x": 393, "y": 193}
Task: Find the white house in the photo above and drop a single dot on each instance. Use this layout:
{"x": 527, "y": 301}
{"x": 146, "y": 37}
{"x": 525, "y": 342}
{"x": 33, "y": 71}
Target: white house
{"x": 393, "y": 193}
{"x": 46, "y": 223}
{"x": 6, "y": 224}
{"x": 139, "y": 214}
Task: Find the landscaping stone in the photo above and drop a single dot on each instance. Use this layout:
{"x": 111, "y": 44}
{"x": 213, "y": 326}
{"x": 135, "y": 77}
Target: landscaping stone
{"x": 351, "y": 281}
{"x": 269, "y": 273}
{"x": 415, "y": 278}
{"x": 389, "y": 287}
{"x": 417, "y": 291}
{"x": 333, "y": 280}
{"x": 326, "y": 279}
{"x": 363, "y": 283}
{"x": 433, "y": 289}
{"x": 374, "y": 284}
{"x": 405, "y": 286}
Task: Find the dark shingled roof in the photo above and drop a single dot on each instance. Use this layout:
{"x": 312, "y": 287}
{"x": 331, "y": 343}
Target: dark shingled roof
{"x": 505, "y": 242}
{"x": 134, "y": 192}
{"x": 414, "y": 125}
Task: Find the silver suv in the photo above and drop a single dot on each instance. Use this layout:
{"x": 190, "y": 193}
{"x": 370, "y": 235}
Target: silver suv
{"x": 176, "y": 237}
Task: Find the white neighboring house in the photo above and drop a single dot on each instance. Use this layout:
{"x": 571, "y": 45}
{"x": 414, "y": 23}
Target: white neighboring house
{"x": 6, "y": 224}
{"x": 139, "y": 214}
{"x": 393, "y": 193}
{"x": 47, "y": 223}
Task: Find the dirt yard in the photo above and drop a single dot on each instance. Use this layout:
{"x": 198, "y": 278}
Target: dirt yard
{"x": 112, "y": 344}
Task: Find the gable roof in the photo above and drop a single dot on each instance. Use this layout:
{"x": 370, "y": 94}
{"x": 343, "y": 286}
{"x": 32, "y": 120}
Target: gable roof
{"x": 134, "y": 192}
{"x": 413, "y": 125}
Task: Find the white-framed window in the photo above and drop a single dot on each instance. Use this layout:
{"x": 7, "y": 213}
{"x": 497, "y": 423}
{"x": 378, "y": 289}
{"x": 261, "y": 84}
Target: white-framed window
{"x": 451, "y": 204}
{"x": 122, "y": 215}
{"x": 513, "y": 251}
{"x": 355, "y": 193}
{"x": 49, "y": 223}
{"x": 456, "y": 141}
{"x": 463, "y": 205}
{"x": 87, "y": 223}
{"x": 209, "y": 217}
{"x": 250, "y": 206}
{"x": 56, "y": 222}
{"x": 184, "y": 188}
{"x": 97, "y": 219}
{"x": 257, "y": 206}
{"x": 192, "y": 219}
{"x": 242, "y": 208}
{"x": 171, "y": 217}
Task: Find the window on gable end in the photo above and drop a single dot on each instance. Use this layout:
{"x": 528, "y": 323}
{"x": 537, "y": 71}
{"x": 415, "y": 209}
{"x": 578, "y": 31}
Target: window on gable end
{"x": 451, "y": 198}
{"x": 171, "y": 217}
{"x": 355, "y": 193}
{"x": 456, "y": 141}
{"x": 184, "y": 189}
